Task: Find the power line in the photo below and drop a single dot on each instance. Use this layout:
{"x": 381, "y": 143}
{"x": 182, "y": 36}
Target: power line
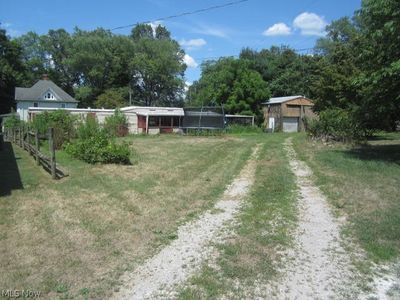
{"x": 184, "y": 14}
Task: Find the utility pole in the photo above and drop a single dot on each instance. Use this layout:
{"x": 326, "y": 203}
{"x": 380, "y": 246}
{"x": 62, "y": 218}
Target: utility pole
{"x": 130, "y": 97}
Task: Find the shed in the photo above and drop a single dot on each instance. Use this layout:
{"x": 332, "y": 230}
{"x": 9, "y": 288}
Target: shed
{"x": 287, "y": 114}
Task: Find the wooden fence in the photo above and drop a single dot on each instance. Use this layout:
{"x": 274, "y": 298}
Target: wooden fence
{"x": 29, "y": 140}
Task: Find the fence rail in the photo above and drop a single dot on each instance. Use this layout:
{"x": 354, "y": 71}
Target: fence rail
{"x": 29, "y": 140}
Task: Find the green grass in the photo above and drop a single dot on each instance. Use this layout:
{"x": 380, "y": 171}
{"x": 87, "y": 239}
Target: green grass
{"x": 253, "y": 252}
{"x": 363, "y": 183}
{"x": 75, "y": 237}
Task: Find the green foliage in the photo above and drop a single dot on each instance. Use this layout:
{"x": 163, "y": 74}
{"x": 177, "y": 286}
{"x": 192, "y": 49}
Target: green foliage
{"x": 12, "y": 122}
{"x": 94, "y": 145}
{"x": 88, "y": 128}
{"x": 117, "y": 124}
{"x": 157, "y": 67}
{"x": 62, "y": 122}
{"x": 232, "y": 83}
{"x": 87, "y": 64}
{"x": 336, "y": 124}
{"x": 112, "y": 98}
{"x": 99, "y": 148}
{"x": 11, "y": 70}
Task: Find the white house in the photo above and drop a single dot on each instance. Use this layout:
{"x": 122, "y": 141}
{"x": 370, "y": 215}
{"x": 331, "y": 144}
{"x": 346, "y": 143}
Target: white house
{"x": 45, "y": 94}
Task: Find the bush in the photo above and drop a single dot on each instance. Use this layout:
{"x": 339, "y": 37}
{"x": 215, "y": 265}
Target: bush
{"x": 337, "y": 125}
{"x": 94, "y": 145}
{"x": 117, "y": 124}
{"x": 12, "y": 122}
{"x": 62, "y": 122}
{"x": 99, "y": 149}
{"x": 88, "y": 128}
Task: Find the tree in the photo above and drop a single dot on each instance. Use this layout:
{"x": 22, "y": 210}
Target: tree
{"x": 34, "y": 57}
{"x": 379, "y": 23}
{"x": 286, "y": 72}
{"x": 232, "y": 83}
{"x": 157, "y": 67}
{"x": 112, "y": 98}
{"x": 334, "y": 83}
{"x": 11, "y": 71}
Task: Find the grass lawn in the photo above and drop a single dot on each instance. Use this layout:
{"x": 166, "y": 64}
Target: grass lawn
{"x": 260, "y": 236}
{"x": 363, "y": 183}
{"x": 73, "y": 238}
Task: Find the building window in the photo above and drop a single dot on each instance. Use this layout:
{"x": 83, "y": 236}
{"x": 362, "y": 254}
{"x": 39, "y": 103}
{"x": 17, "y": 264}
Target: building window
{"x": 35, "y": 104}
{"x": 49, "y": 96}
{"x": 63, "y": 105}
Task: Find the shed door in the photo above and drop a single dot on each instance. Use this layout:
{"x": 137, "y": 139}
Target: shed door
{"x": 271, "y": 123}
{"x": 290, "y": 124}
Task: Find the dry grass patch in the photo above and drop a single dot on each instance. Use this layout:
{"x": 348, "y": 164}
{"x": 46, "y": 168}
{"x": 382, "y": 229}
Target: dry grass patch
{"x": 77, "y": 236}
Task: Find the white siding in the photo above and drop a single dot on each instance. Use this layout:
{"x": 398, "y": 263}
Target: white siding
{"x": 22, "y": 106}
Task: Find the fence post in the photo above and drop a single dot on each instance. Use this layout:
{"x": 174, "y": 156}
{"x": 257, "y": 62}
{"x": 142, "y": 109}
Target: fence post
{"x": 37, "y": 146}
{"x": 14, "y": 137}
{"x": 52, "y": 153}
{"x": 20, "y": 136}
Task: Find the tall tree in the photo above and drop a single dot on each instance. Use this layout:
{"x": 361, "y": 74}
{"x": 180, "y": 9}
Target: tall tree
{"x": 11, "y": 71}
{"x": 379, "y": 23}
{"x": 232, "y": 83}
{"x": 157, "y": 67}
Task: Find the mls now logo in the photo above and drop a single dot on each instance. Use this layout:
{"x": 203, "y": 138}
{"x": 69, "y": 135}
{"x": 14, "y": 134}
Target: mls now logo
{"x": 20, "y": 294}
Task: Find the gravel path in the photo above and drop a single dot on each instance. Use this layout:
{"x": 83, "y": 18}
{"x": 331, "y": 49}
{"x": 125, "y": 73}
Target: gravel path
{"x": 159, "y": 276}
{"x": 317, "y": 267}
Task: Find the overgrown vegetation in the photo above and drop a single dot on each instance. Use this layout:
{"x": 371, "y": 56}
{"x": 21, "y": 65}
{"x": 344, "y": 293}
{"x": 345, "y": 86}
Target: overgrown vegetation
{"x": 117, "y": 124}
{"x": 62, "y": 122}
{"x": 12, "y": 122}
{"x": 362, "y": 183}
{"x": 95, "y": 145}
{"x": 337, "y": 125}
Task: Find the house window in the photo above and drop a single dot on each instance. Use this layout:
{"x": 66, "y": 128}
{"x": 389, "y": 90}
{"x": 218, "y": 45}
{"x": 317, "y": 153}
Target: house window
{"x": 35, "y": 104}
{"x": 49, "y": 96}
{"x": 63, "y": 105}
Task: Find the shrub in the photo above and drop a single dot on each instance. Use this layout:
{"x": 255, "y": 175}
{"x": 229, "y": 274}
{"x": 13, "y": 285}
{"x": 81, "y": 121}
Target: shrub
{"x": 62, "y": 122}
{"x": 88, "y": 128}
{"x": 94, "y": 145}
{"x": 336, "y": 124}
{"x": 117, "y": 124}
{"x": 12, "y": 122}
{"x": 99, "y": 149}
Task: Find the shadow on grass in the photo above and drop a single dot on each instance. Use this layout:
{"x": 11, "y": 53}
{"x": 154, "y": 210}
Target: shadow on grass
{"x": 385, "y": 153}
{"x": 10, "y": 178}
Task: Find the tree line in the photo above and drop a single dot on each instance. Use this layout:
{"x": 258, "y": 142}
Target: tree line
{"x": 354, "y": 72}
{"x": 99, "y": 68}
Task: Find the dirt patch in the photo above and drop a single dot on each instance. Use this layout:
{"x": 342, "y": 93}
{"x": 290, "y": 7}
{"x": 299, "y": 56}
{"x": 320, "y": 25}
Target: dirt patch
{"x": 159, "y": 276}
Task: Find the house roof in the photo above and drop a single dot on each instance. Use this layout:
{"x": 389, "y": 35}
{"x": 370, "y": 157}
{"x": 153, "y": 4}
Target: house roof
{"x": 154, "y": 111}
{"x": 277, "y": 100}
{"x": 36, "y": 92}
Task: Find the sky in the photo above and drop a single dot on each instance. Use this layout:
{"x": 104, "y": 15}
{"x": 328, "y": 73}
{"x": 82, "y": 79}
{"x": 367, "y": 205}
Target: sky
{"x": 257, "y": 24}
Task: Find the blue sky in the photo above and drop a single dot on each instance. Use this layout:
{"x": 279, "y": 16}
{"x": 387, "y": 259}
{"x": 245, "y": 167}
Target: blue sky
{"x": 256, "y": 24}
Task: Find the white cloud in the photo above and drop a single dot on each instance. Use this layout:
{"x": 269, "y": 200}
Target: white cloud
{"x": 310, "y": 24}
{"x": 193, "y": 43}
{"x": 278, "y": 29}
{"x": 189, "y": 61}
{"x": 212, "y": 31}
